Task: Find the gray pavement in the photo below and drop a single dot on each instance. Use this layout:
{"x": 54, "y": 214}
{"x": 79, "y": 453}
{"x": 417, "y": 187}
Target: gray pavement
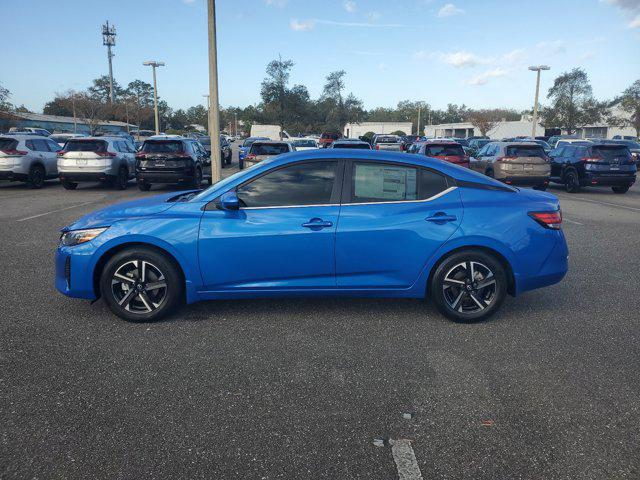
{"x": 547, "y": 389}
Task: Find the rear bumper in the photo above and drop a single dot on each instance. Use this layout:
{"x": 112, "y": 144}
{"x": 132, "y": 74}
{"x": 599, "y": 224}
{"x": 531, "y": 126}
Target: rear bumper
{"x": 525, "y": 181}
{"x": 165, "y": 176}
{"x": 552, "y": 270}
{"x": 607, "y": 179}
{"x": 85, "y": 176}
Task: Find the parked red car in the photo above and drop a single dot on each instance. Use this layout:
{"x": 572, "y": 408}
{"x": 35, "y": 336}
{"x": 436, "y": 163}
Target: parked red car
{"x": 446, "y": 150}
{"x": 327, "y": 138}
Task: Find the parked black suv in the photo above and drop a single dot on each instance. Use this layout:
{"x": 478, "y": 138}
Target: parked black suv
{"x": 172, "y": 160}
{"x": 580, "y": 165}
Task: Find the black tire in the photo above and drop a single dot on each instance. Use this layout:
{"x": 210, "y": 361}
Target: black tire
{"x": 240, "y": 164}
{"x": 134, "y": 300}
{"x": 540, "y": 188}
{"x": 490, "y": 173}
{"x": 571, "y": 181}
{"x": 121, "y": 181}
{"x": 197, "y": 178}
{"x": 210, "y": 180}
{"x": 144, "y": 186}
{"x": 36, "y": 177}
{"x": 620, "y": 190}
{"x": 69, "y": 185}
{"x": 228, "y": 159}
{"x": 456, "y": 300}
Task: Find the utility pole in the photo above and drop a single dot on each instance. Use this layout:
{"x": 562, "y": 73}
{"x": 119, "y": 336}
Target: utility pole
{"x": 154, "y": 64}
{"x": 109, "y": 40}
{"x": 214, "y": 118}
{"x": 537, "y": 69}
{"x": 208, "y": 108}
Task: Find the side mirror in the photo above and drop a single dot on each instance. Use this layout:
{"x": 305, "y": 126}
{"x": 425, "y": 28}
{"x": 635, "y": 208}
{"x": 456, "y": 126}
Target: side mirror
{"x": 229, "y": 201}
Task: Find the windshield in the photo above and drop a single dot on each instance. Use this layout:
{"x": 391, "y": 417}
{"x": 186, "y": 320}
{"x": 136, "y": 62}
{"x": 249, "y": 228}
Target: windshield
{"x": 443, "y": 150}
{"x": 249, "y": 141}
{"x": 333, "y": 136}
{"x": 98, "y": 146}
{"x": 304, "y": 143}
{"x": 162, "y": 146}
{"x": 356, "y": 145}
{"x": 387, "y": 139}
{"x": 609, "y": 152}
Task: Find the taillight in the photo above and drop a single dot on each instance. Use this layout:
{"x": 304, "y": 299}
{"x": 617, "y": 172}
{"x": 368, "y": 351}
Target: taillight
{"x": 13, "y": 151}
{"x": 251, "y": 156}
{"x": 377, "y": 147}
{"x": 140, "y": 156}
{"x": 105, "y": 154}
{"x": 402, "y": 147}
{"x": 501, "y": 159}
{"x": 61, "y": 153}
{"x": 591, "y": 159}
{"x": 552, "y": 220}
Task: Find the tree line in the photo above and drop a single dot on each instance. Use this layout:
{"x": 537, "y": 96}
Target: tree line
{"x": 570, "y": 105}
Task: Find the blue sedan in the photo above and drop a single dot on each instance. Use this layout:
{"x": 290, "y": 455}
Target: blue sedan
{"x": 321, "y": 223}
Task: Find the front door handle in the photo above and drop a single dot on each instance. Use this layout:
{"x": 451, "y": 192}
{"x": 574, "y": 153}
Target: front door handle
{"x": 441, "y": 217}
{"x": 317, "y": 224}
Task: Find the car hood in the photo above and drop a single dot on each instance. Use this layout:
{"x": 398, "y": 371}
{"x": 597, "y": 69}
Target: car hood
{"x": 136, "y": 208}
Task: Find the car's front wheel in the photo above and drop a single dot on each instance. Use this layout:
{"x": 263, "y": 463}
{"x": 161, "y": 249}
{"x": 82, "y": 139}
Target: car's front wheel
{"x": 621, "y": 190}
{"x": 468, "y": 286}
{"x": 141, "y": 285}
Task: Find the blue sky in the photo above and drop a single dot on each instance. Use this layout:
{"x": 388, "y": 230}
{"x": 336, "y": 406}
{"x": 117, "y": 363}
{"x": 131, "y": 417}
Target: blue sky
{"x": 460, "y": 51}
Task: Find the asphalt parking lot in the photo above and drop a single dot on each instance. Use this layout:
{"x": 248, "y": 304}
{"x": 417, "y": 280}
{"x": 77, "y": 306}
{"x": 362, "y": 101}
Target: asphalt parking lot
{"x": 547, "y": 389}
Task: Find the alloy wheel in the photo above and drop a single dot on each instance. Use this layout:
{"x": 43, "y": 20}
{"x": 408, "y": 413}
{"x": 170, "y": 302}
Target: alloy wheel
{"x": 139, "y": 287}
{"x": 469, "y": 287}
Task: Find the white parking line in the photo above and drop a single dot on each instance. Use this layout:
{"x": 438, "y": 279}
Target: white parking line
{"x": 54, "y": 211}
{"x": 565, "y": 219}
{"x": 405, "y": 459}
{"x": 600, "y": 203}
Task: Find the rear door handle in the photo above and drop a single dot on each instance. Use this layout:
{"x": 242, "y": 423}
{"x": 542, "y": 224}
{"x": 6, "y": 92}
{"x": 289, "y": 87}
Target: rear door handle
{"x": 317, "y": 224}
{"x": 441, "y": 217}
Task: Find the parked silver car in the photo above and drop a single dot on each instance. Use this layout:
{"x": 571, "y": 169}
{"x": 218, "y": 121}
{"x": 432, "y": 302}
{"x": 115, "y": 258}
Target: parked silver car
{"x": 28, "y": 158}
{"x": 96, "y": 159}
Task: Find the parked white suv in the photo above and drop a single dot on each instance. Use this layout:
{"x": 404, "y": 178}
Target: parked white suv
{"x": 28, "y": 158}
{"x": 96, "y": 159}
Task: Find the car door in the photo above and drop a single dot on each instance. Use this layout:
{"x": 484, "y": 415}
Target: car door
{"x": 555, "y": 157}
{"x": 48, "y": 157}
{"x": 477, "y": 163}
{"x": 393, "y": 219}
{"x": 283, "y": 235}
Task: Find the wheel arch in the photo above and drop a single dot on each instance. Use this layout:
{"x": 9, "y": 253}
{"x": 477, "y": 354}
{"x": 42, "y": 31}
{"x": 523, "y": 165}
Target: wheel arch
{"x": 511, "y": 286}
{"x": 104, "y": 258}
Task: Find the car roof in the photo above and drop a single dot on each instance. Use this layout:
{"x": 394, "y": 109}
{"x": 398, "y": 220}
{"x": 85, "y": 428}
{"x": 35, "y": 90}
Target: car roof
{"x": 270, "y": 142}
{"x": 27, "y": 136}
{"x": 440, "y": 141}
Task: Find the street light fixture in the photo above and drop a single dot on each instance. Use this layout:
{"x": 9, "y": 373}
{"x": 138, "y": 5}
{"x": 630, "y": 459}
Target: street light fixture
{"x": 536, "y": 68}
{"x": 154, "y": 64}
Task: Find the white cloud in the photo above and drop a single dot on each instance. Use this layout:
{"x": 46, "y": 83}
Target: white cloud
{"x": 358, "y": 24}
{"x": 449, "y": 10}
{"x": 349, "y": 6}
{"x": 553, "y": 47}
{"x": 514, "y": 56}
{"x": 624, "y": 4}
{"x": 276, "y": 3}
{"x": 301, "y": 25}
{"x": 635, "y": 23}
{"x": 373, "y": 16}
{"x": 461, "y": 59}
{"x": 588, "y": 55}
{"x": 483, "y": 78}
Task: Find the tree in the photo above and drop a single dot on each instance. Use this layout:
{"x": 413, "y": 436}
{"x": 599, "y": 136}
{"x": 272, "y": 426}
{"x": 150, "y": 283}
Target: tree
{"x": 88, "y": 108}
{"x": 484, "y": 120}
{"x": 629, "y": 103}
{"x": 572, "y": 103}
{"x": 338, "y": 111}
{"x": 274, "y": 90}
{"x": 100, "y": 89}
{"x": 5, "y": 94}
{"x": 137, "y": 100}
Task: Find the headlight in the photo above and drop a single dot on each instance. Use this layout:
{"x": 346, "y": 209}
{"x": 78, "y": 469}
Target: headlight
{"x": 76, "y": 237}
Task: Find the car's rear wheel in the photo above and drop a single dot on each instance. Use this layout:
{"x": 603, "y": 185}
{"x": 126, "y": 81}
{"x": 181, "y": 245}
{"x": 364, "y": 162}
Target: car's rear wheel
{"x": 571, "y": 182}
{"x": 141, "y": 285}
{"x": 197, "y": 178}
{"x": 468, "y": 286}
{"x": 144, "y": 186}
{"x": 69, "y": 185}
{"x": 620, "y": 190}
{"x": 122, "y": 179}
{"x": 36, "y": 176}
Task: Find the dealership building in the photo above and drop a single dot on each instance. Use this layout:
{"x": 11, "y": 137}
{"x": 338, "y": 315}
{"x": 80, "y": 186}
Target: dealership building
{"x": 59, "y": 124}
{"x": 357, "y": 130}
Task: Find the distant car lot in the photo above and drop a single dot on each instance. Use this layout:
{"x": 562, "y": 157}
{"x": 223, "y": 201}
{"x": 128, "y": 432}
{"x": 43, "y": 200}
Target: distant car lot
{"x": 278, "y": 387}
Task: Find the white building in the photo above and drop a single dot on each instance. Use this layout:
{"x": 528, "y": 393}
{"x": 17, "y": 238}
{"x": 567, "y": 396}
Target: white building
{"x": 355, "y": 130}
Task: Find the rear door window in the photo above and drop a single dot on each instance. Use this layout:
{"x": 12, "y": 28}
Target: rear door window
{"x": 98, "y": 146}
{"x": 40, "y": 145}
{"x": 444, "y": 150}
{"x": 525, "y": 151}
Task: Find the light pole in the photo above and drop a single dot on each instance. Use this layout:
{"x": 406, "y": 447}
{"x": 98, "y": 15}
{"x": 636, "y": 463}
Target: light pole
{"x": 537, "y": 69}
{"x": 154, "y": 64}
{"x": 214, "y": 119}
{"x": 109, "y": 40}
